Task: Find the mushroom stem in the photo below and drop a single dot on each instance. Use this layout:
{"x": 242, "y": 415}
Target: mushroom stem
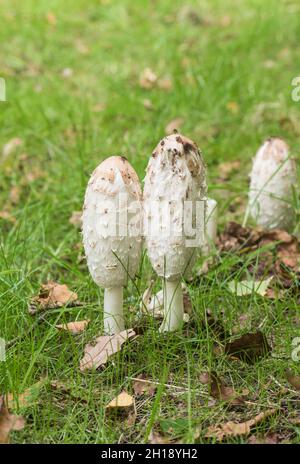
{"x": 173, "y": 306}
{"x": 113, "y": 310}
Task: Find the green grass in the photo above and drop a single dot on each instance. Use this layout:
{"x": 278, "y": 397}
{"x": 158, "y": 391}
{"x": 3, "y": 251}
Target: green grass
{"x": 251, "y": 62}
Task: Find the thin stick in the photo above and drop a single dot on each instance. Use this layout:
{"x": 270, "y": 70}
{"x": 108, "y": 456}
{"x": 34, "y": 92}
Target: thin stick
{"x": 167, "y": 385}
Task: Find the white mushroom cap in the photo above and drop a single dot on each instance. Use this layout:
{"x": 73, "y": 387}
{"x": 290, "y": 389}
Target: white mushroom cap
{"x": 112, "y": 201}
{"x": 272, "y": 179}
{"x": 175, "y": 174}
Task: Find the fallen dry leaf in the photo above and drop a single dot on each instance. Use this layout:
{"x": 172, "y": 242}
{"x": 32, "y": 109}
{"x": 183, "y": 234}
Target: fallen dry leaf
{"x": 34, "y": 174}
{"x": 10, "y": 147}
{"x": 147, "y": 79}
{"x": 106, "y": 345}
{"x": 227, "y": 168}
{"x": 233, "y": 107}
{"x": 142, "y": 385}
{"x": 6, "y": 216}
{"x": 156, "y": 438}
{"x": 75, "y": 219}
{"x": 8, "y": 422}
{"x": 123, "y": 400}
{"x": 222, "y": 392}
{"x": 225, "y": 21}
{"x": 148, "y": 104}
{"x": 82, "y": 47}
{"x": 53, "y": 295}
{"x": 173, "y": 126}
{"x": 74, "y": 327}
{"x": 249, "y": 347}
{"x": 233, "y": 429}
{"x": 51, "y": 18}
{"x": 14, "y": 195}
{"x": 204, "y": 378}
{"x": 165, "y": 84}
{"x": 26, "y": 399}
{"x": 67, "y": 72}
{"x": 98, "y": 108}
{"x": 293, "y": 379}
{"x": 268, "y": 439}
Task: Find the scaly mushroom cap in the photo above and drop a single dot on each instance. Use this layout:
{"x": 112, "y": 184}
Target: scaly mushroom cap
{"x": 175, "y": 174}
{"x": 272, "y": 179}
{"x": 111, "y": 222}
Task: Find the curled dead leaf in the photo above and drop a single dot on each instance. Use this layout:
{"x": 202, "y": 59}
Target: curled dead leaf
{"x": 8, "y": 422}
{"x": 74, "y": 327}
{"x": 222, "y": 392}
{"x": 123, "y": 400}
{"x": 6, "y": 216}
{"x": 249, "y": 347}
{"x": 293, "y": 379}
{"x": 106, "y": 345}
{"x": 147, "y": 79}
{"x": 10, "y": 147}
{"x": 53, "y": 295}
{"x": 233, "y": 429}
{"x": 142, "y": 385}
{"x": 25, "y": 399}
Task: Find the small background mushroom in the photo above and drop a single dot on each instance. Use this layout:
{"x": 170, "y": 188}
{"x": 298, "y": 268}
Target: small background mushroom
{"x": 272, "y": 180}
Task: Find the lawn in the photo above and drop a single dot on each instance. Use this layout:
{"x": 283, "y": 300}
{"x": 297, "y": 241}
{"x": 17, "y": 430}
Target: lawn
{"x": 75, "y": 94}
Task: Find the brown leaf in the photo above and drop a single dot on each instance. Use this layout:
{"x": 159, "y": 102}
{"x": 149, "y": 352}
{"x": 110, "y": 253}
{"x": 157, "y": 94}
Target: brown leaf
{"x": 82, "y": 47}
{"x": 10, "y": 147}
{"x": 142, "y": 385}
{"x": 75, "y": 219}
{"x": 156, "y": 438}
{"x": 225, "y": 21}
{"x": 225, "y": 169}
{"x": 148, "y": 104}
{"x": 293, "y": 379}
{"x": 148, "y": 79}
{"x": 106, "y": 345}
{"x": 123, "y": 400}
{"x": 233, "y": 429}
{"x": 51, "y": 18}
{"x": 204, "y": 378}
{"x": 74, "y": 327}
{"x": 6, "y": 216}
{"x": 26, "y": 399}
{"x": 233, "y": 107}
{"x": 14, "y": 195}
{"x": 165, "y": 84}
{"x": 34, "y": 174}
{"x": 8, "y": 422}
{"x": 173, "y": 125}
{"x": 222, "y": 392}
{"x": 249, "y": 347}
{"x": 269, "y": 439}
{"x": 53, "y": 295}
